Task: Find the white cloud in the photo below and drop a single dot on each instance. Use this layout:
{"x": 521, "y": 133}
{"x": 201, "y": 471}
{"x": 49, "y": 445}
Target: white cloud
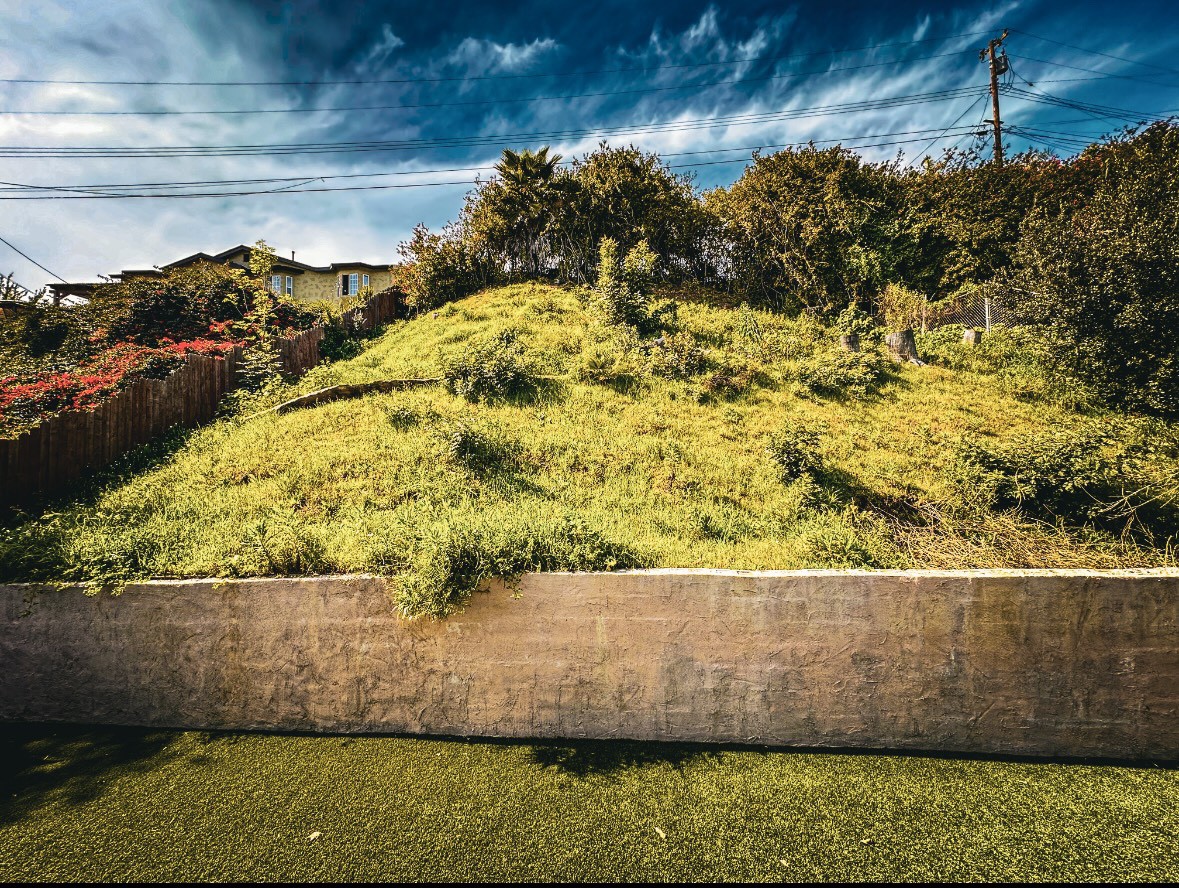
{"x": 922, "y": 28}
{"x": 381, "y": 50}
{"x": 488, "y": 57}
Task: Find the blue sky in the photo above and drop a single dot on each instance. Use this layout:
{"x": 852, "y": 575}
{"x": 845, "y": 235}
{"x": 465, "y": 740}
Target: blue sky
{"x": 659, "y": 74}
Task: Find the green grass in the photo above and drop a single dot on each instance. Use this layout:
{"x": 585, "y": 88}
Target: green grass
{"x": 86, "y": 804}
{"x": 666, "y": 471}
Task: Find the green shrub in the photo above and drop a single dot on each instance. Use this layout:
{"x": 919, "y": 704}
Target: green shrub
{"x": 845, "y": 541}
{"x": 401, "y": 417}
{"x": 613, "y": 361}
{"x": 1089, "y": 475}
{"x": 477, "y": 450}
{"x": 676, "y": 356}
{"x": 341, "y": 340}
{"x": 854, "y": 321}
{"x": 621, "y": 297}
{"x": 795, "y": 452}
{"x": 455, "y": 557}
{"x": 491, "y": 368}
{"x": 1102, "y": 275}
{"x": 843, "y": 373}
{"x": 729, "y": 381}
{"x": 901, "y": 308}
{"x": 439, "y": 268}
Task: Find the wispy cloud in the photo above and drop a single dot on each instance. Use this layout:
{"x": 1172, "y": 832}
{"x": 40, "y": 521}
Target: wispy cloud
{"x": 153, "y": 40}
{"x": 380, "y": 51}
{"x": 479, "y": 56}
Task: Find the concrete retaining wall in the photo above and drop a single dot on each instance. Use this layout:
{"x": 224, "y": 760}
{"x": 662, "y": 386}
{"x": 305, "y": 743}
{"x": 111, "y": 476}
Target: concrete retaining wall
{"x": 1039, "y": 662}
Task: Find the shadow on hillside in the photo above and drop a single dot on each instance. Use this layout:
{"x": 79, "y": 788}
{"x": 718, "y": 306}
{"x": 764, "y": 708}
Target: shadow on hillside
{"x": 585, "y": 758}
{"x": 87, "y": 489}
{"x": 68, "y": 764}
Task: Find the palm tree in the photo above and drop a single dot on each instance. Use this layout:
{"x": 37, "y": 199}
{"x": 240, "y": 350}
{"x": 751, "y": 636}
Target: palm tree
{"x": 528, "y": 177}
{"x": 525, "y": 169}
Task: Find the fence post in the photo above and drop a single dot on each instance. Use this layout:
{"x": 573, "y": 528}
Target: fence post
{"x": 987, "y": 313}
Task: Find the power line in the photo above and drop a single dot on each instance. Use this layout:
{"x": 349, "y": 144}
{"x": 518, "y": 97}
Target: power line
{"x": 31, "y": 259}
{"x": 472, "y": 141}
{"x": 1096, "y": 52}
{"x": 965, "y": 111}
{"x": 474, "y": 102}
{"x": 20, "y": 187}
{"x": 472, "y": 77}
{"x": 387, "y": 187}
{"x": 1103, "y": 74}
{"x": 1100, "y": 111}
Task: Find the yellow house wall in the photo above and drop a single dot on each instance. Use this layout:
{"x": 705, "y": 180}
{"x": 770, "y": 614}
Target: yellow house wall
{"x": 313, "y": 286}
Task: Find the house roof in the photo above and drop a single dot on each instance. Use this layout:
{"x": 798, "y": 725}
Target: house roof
{"x": 287, "y": 266}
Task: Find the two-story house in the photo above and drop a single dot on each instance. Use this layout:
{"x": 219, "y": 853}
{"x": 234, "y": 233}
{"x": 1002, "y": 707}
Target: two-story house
{"x": 296, "y": 279}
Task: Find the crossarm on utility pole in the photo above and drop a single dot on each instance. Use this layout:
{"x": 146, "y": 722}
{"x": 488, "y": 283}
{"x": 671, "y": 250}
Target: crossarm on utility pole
{"x": 998, "y": 66}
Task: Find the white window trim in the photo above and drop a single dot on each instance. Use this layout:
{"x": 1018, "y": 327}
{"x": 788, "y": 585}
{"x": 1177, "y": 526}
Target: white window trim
{"x": 353, "y": 283}
{"x": 365, "y": 281}
{"x": 276, "y": 283}
{"x": 290, "y": 286}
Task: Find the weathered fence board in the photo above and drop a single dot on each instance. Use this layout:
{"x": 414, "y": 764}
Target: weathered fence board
{"x": 70, "y": 444}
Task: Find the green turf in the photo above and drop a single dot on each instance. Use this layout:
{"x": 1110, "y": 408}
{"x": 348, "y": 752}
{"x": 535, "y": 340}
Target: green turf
{"x": 131, "y": 804}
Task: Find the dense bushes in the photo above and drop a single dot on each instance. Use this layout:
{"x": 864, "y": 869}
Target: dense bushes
{"x": 808, "y": 228}
{"x": 95, "y": 380}
{"x": 1103, "y": 275}
{"x": 1090, "y": 475}
{"x": 842, "y": 373}
{"x": 57, "y": 358}
{"x": 823, "y": 230}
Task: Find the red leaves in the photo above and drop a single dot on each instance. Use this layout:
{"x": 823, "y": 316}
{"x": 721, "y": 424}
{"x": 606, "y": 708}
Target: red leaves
{"x": 97, "y": 379}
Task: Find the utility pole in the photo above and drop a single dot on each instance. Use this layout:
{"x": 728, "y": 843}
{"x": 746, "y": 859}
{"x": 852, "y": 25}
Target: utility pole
{"x": 998, "y": 66}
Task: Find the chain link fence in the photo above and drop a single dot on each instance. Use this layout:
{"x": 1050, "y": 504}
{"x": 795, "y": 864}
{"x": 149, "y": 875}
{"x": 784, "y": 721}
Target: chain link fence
{"x": 981, "y": 309}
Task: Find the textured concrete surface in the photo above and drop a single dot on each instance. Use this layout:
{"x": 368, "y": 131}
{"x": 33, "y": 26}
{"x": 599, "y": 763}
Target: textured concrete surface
{"x": 1038, "y": 662}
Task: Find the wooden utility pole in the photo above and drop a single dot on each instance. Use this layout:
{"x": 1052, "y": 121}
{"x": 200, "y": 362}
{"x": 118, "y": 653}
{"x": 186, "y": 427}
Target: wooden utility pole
{"x": 998, "y": 66}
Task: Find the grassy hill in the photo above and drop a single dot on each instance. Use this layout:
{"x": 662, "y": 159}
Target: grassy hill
{"x": 734, "y": 439}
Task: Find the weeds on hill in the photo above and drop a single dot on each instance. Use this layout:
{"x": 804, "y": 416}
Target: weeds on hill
{"x": 491, "y": 368}
{"x": 1091, "y": 475}
{"x": 456, "y": 556}
{"x": 836, "y": 374}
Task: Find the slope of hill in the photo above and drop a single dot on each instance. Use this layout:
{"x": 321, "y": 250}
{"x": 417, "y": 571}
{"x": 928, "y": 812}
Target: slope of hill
{"x": 733, "y": 439}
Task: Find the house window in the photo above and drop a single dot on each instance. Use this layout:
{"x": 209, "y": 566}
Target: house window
{"x": 290, "y": 286}
{"x": 352, "y": 288}
{"x": 276, "y": 283}
{"x": 364, "y": 279}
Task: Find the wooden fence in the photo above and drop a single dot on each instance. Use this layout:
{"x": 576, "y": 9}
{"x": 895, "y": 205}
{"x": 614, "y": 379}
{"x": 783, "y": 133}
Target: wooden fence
{"x": 70, "y": 444}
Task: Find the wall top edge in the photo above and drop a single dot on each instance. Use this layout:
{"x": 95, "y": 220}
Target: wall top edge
{"x": 980, "y": 573}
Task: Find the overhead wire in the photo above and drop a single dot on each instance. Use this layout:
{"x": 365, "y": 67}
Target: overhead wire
{"x": 31, "y": 259}
{"x": 294, "y": 190}
{"x": 932, "y": 141}
{"x": 683, "y": 125}
{"x": 1095, "y": 51}
{"x": 220, "y": 112}
{"x": 1024, "y": 58}
{"x": 18, "y": 187}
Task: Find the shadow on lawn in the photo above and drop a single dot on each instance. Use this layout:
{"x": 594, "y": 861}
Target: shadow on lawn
{"x": 66, "y": 764}
{"x": 587, "y": 758}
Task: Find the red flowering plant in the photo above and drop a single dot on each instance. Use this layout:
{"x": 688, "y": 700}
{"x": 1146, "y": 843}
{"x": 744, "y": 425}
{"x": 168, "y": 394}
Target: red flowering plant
{"x": 141, "y": 326}
{"x": 23, "y": 404}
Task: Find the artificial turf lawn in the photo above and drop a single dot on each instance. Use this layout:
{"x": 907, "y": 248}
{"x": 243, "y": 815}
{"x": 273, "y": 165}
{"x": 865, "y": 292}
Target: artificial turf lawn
{"x": 103, "y": 804}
